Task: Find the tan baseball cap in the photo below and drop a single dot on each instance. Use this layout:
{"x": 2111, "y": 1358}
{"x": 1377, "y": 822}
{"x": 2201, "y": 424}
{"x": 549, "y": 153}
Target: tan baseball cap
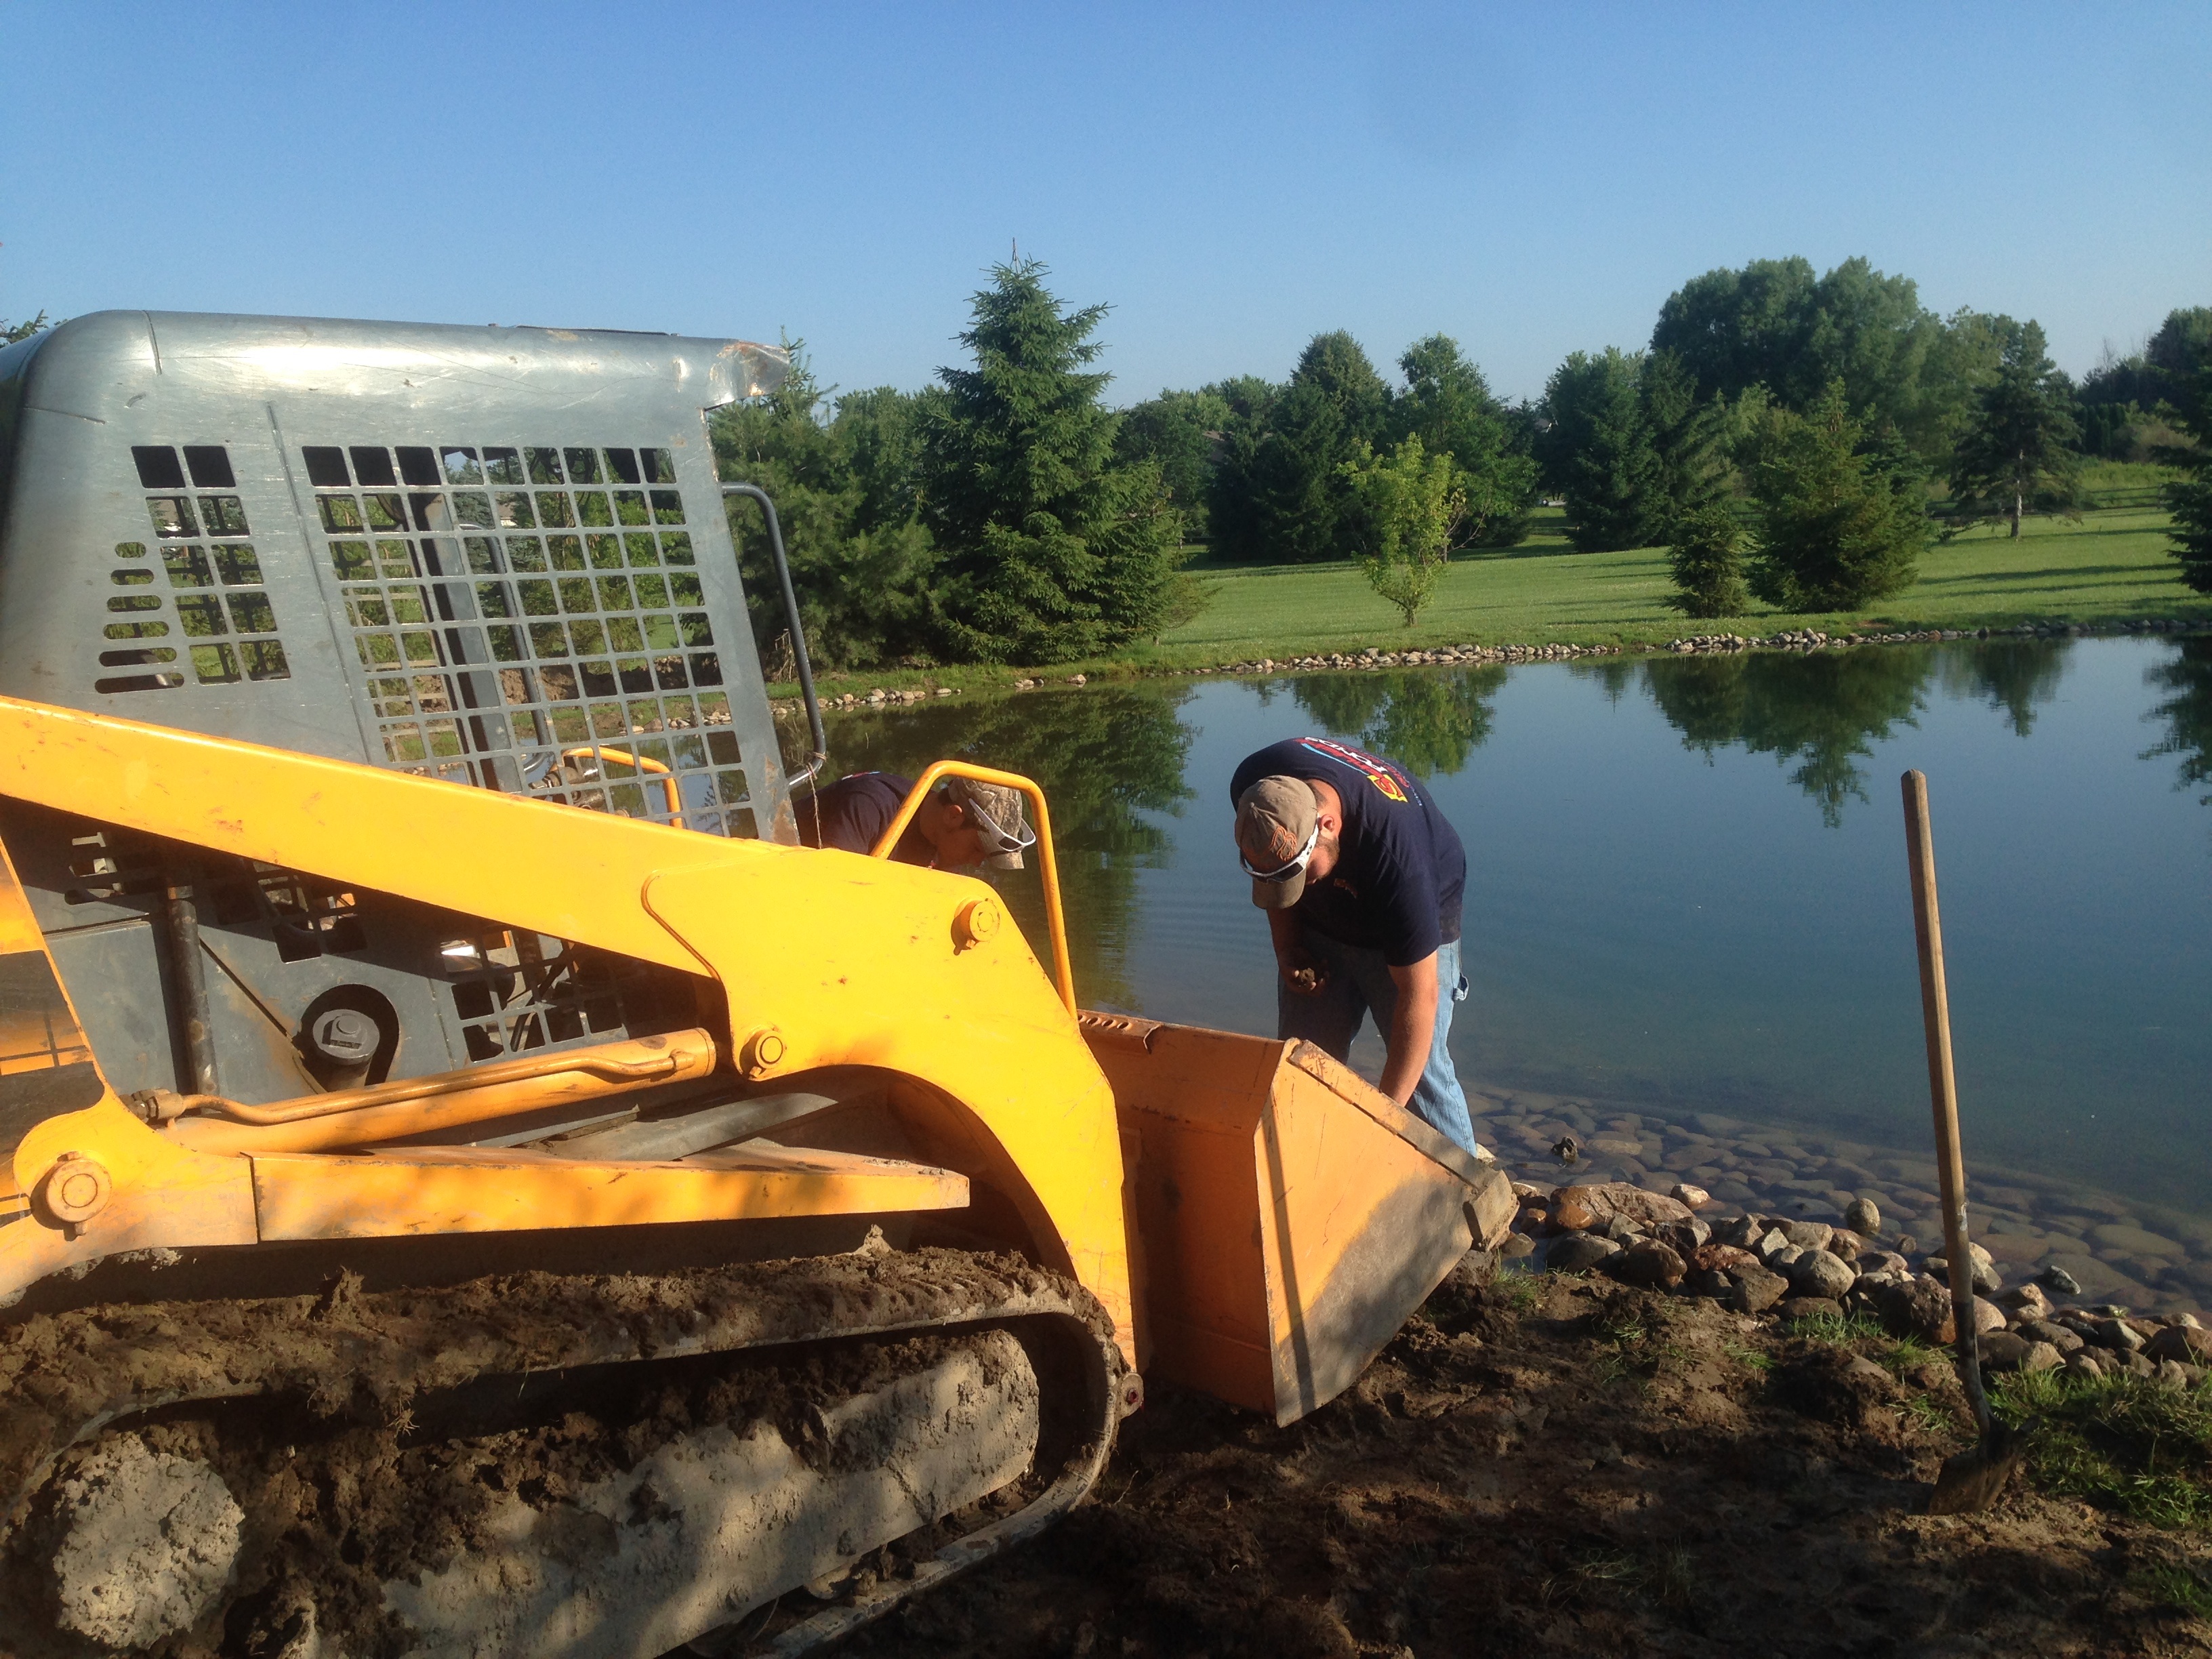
{"x": 996, "y": 811}
{"x": 1278, "y": 823}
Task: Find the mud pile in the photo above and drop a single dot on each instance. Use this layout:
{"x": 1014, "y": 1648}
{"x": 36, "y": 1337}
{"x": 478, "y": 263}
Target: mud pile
{"x": 1562, "y": 1466}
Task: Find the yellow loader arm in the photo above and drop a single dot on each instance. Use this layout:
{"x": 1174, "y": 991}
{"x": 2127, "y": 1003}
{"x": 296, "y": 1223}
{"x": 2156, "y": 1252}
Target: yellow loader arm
{"x": 820, "y": 958}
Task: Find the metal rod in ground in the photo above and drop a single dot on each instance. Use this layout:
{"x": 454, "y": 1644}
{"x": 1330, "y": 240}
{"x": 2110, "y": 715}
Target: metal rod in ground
{"x": 1973, "y": 1480}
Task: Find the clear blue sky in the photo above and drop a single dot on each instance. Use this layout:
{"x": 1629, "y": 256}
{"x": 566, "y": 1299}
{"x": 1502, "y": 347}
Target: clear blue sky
{"x": 1532, "y": 178}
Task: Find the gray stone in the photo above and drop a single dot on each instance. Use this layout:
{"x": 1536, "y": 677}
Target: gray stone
{"x": 2058, "y": 1279}
{"x": 148, "y": 1544}
{"x": 1846, "y": 1244}
{"x": 2041, "y": 1357}
{"x": 1782, "y": 1260}
{"x": 2137, "y": 1364}
{"x": 2117, "y": 1335}
{"x": 2184, "y": 1345}
{"x": 1862, "y": 1215}
{"x": 1919, "y": 1308}
{"x": 2171, "y": 1375}
{"x": 2083, "y": 1362}
{"x": 1689, "y": 1197}
{"x": 1579, "y": 1252}
{"x": 1756, "y": 1289}
{"x": 2045, "y": 1330}
{"x": 1816, "y": 1273}
{"x": 2027, "y": 1298}
{"x": 1808, "y": 1235}
{"x": 2001, "y": 1350}
{"x": 1987, "y": 1316}
{"x": 1769, "y": 1243}
{"x": 1516, "y": 1246}
{"x": 1648, "y": 1263}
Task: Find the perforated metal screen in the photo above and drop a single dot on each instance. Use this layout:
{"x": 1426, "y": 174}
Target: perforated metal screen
{"x": 529, "y": 618}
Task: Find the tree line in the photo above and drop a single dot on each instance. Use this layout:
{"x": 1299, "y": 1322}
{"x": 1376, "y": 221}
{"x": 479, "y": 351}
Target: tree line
{"x": 1783, "y": 433}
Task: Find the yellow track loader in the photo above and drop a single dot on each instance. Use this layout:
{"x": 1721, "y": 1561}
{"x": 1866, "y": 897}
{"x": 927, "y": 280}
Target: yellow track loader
{"x": 470, "y": 1183}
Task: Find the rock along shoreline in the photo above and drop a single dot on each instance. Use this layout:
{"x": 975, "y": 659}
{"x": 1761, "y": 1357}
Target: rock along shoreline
{"x": 1763, "y": 1223}
{"x": 1369, "y": 658}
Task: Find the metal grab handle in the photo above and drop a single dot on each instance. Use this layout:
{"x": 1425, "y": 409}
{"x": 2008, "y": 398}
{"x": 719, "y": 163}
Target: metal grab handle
{"x": 820, "y": 757}
{"x": 1047, "y": 865}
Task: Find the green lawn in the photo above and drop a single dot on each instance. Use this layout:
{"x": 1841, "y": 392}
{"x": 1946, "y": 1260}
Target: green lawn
{"x": 2111, "y": 566}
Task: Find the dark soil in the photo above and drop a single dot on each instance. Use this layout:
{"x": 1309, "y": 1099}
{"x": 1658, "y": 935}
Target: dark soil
{"x": 1563, "y": 1466}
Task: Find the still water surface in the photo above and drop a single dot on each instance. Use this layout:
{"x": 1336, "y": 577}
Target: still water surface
{"x": 1686, "y": 883}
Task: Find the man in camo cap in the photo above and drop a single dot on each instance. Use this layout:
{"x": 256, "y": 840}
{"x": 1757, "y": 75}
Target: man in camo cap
{"x": 1361, "y": 878}
{"x": 962, "y": 823}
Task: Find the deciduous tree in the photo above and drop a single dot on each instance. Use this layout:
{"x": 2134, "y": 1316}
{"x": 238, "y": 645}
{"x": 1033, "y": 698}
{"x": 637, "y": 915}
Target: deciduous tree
{"x": 1448, "y": 404}
{"x": 1410, "y": 505}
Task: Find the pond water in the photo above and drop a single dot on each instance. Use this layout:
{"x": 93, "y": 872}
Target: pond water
{"x": 1687, "y": 909}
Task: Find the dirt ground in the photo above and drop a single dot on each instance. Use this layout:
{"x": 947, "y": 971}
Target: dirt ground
{"x": 1567, "y": 1466}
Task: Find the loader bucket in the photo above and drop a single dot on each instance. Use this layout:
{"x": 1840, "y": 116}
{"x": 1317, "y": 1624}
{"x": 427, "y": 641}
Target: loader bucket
{"x": 1285, "y": 1216}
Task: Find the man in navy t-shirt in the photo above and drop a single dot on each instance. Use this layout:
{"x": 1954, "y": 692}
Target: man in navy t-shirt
{"x": 1361, "y": 878}
{"x": 962, "y": 823}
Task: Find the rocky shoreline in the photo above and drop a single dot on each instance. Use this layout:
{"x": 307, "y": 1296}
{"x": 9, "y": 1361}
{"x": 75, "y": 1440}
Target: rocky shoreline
{"x": 1370, "y": 657}
{"x": 1765, "y": 1219}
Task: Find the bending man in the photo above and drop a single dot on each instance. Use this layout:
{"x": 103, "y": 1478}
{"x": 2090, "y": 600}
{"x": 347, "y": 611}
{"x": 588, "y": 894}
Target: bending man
{"x": 961, "y": 823}
{"x": 1361, "y": 878}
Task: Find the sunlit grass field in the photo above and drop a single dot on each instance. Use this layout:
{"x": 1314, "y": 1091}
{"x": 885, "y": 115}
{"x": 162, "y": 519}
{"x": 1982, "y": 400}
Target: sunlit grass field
{"x": 2108, "y": 566}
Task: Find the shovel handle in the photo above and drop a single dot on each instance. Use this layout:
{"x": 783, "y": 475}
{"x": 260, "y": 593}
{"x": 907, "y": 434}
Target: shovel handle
{"x": 1943, "y": 1087}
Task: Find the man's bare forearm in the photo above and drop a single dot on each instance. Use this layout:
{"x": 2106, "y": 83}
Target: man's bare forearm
{"x": 1412, "y": 1029}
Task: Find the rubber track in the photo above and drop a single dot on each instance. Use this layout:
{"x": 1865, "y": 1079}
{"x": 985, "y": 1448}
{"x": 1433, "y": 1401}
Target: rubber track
{"x": 369, "y": 1355}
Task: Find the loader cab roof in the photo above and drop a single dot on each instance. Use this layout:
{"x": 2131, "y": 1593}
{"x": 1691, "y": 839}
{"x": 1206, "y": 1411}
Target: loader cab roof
{"x": 495, "y": 554}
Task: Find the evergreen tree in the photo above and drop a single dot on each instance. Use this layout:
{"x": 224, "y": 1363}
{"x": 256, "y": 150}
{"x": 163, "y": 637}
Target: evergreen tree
{"x": 1178, "y": 432}
{"x": 1841, "y": 526}
{"x": 2018, "y": 444}
{"x": 1051, "y": 548}
{"x": 2189, "y": 498}
{"x": 1688, "y": 437}
{"x": 1707, "y": 561}
{"x": 1448, "y": 406}
{"x": 11, "y": 332}
{"x": 862, "y": 567}
{"x": 1278, "y": 492}
{"x": 1598, "y": 451}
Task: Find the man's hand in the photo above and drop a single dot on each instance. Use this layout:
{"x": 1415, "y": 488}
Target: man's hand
{"x": 1293, "y": 961}
{"x": 1413, "y": 1027}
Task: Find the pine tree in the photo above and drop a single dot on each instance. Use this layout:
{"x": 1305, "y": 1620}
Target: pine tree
{"x": 2189, "y": 498}
{"x": 1841, "y": 526}
{"x": 2019, "y": 443}
{"x": 1596, "y": 449}
{"x": 1052, "y": 548}
{"x": 1687, "y": 436}
{"x": 1707, "y": 560}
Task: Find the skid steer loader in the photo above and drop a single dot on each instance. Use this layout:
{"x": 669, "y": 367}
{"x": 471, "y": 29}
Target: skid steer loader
{"x": 470, "y": 1183}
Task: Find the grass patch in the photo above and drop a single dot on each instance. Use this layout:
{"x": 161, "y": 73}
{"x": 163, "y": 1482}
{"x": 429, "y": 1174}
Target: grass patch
{"x": 1522, "y": 1292}
{"x": 1750, "y": 1359}
{"x": 2122, "y": 1443}
{"x": 1845, "y": 1330}
{"x": 2108, "y": 566}
{"x": 2171, "y": 1585}
{"x": 1930, "y": 1413}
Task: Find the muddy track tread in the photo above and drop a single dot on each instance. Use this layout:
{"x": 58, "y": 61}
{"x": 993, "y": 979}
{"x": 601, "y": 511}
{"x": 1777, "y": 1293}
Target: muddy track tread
{"x": 369, "y": 1355}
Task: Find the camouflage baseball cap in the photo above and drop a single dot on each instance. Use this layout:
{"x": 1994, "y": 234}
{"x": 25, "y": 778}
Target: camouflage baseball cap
{"x": 996, "y": 811}
{"x": 1278, "y": 826}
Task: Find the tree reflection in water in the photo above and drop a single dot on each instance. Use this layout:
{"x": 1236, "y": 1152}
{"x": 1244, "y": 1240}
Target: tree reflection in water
{"x": 1426, "y": 720}
{"x": 1104, "y": 756}
{"x": 2187, "y": 712}
{"x": 2014, "y": 676}
{"x": 1825, "y": 711}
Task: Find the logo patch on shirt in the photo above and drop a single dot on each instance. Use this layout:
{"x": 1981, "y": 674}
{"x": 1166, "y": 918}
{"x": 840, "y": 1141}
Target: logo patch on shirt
{"x": 1384, "y": 776}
